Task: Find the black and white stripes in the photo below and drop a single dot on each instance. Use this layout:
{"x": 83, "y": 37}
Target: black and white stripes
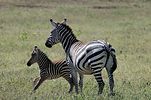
{"x": 48, "y": 69}
{"x": 89, "y": 58}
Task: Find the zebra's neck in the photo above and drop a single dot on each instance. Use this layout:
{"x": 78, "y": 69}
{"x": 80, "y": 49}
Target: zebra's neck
{"x": 67, "y": 40}
{"x": 43, "y": 60}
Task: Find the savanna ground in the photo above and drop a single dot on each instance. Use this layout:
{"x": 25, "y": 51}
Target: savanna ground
{"x": 126, "y": 24}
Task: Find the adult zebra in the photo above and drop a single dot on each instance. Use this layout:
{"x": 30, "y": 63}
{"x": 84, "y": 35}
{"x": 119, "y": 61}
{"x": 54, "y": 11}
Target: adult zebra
{"x": 88, "y": 58}
{"x": 48, "y": 69}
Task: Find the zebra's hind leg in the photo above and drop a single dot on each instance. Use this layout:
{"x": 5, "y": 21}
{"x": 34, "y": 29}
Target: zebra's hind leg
{"x": 98, "y": 77}
{"x": 70, "y": 81}
{"x": 111, "y": 81}
{"x": 81, "y": 81}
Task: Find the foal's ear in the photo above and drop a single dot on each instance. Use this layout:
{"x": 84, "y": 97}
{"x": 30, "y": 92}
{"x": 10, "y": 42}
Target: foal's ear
{"x": 35, "y": 48}
{"x": 64, "y": 21}
{"x": 53, "y": 23}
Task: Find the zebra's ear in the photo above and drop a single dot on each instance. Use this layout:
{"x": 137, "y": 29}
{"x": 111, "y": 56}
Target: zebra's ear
{"x": 53, "y": 23}
{"x": 64, "y": 21}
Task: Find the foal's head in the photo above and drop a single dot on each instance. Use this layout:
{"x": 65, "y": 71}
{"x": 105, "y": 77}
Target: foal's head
{"x": 34, "y": 56}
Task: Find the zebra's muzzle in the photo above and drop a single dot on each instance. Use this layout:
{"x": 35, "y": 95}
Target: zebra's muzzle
{"x": 48, "y": 45}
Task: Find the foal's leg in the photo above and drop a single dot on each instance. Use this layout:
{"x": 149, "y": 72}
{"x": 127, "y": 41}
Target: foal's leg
{"x": 70, "y": 81}
{"x": 39, "y": 83}
{"x": 35, "y": 81}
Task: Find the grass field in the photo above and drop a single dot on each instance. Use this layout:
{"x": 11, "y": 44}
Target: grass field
{"x": 126, "y": 24}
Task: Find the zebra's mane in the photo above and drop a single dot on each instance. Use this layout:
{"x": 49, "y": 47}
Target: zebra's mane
{"x": 68, "y": 28}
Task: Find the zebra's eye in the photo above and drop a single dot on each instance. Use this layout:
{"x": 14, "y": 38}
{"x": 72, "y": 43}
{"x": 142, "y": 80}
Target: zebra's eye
{"x": 53, "y": 31}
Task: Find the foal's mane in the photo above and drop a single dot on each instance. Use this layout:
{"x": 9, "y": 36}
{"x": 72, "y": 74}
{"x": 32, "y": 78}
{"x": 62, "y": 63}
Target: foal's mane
{"x": 44, "y": 54}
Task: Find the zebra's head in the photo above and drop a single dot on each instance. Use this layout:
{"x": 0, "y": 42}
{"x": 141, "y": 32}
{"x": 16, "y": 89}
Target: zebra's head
{"x": 34, "y": 56}
{"x": 54, "y": 37}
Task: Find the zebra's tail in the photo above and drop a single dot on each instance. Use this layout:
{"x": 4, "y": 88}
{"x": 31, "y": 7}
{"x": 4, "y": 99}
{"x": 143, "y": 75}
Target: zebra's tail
{"x": 114, "y": 66}
{"x": 111, "y": 51}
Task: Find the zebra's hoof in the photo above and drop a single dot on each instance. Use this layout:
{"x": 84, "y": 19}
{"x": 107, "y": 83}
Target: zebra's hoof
{"x": 69, "y": 91}
{"x": 99, "y": 93}
{"x": 77, "y": 92}
{"x": 32, "y": 92}
{"x": 111, "y": 94}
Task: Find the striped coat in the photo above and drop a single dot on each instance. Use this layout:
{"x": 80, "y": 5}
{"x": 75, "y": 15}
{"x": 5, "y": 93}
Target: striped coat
{"x": 89, "y": 58}
{"x": 48, "y": 69}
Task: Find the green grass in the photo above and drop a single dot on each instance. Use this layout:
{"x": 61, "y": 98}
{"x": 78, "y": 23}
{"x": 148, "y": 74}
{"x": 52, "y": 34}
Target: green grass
{"x": 126, "y": 25}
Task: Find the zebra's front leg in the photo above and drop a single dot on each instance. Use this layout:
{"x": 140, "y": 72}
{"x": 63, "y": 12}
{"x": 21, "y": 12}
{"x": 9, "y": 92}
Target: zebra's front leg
{"x": 81, "y": 81}
{"x": 73, "y": 73}
{"x": 75, "y": 80}
{"x": 35, "y": 81}
{"x": 39, "y": 83}
{"x": 98, "y": 77}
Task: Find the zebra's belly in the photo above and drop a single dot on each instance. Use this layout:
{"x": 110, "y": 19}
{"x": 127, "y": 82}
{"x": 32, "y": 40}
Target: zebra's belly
{"x": 85, "y": 71}
{"x": 50, "y": 77}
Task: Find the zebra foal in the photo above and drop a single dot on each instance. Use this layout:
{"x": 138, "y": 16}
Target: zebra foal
{"x": 48, "y": 69}
{"x": 89, "y": 58}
